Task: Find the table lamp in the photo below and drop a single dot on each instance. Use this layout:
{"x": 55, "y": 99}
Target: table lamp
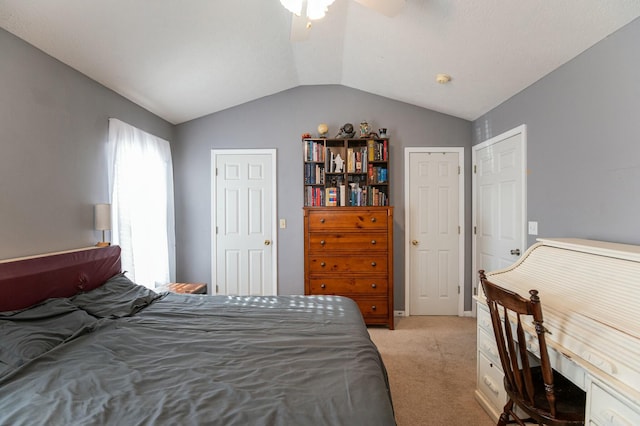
{"x": 103, "y": 221}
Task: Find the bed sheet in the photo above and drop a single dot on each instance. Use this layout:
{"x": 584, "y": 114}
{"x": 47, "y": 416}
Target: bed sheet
{"x": 198, "y": 360}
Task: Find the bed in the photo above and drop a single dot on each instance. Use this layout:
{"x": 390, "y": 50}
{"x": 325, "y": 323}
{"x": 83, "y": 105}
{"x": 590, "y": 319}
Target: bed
{"x": 81, "y": 344}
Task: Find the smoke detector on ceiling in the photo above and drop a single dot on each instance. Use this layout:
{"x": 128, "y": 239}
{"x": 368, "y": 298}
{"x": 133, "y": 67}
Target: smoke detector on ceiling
{"x": 443, "y": 78}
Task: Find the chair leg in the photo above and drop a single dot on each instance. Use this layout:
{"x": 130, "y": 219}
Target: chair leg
{"x": 503, "y": 420}
{"x": 508, "y": 412}
{"x": 504, "y": 417}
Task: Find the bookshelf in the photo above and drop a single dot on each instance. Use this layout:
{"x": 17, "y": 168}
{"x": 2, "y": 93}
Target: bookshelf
{"x": 346, "y": 172}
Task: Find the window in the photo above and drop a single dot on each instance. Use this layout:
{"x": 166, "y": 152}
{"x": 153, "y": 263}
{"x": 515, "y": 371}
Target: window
{"x": 142, "y": 211}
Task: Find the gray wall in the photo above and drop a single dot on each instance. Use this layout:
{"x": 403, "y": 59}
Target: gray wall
{"x": 583, "y": 142}
{"x": 277, "y": 122}
{"x": 583, "y": 152}
{"x": 53, "y": 134}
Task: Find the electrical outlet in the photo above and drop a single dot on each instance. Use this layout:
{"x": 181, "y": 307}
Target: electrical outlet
{"x": 533, "y": 228}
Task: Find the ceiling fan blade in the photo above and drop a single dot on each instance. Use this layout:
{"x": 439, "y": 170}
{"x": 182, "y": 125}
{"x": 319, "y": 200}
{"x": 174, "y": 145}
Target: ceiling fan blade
{"x": 386, "y": 7}
{"x": 300, "y": 28}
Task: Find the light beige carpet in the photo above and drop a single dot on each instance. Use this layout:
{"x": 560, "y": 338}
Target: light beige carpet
{"x": 431, "y": 362}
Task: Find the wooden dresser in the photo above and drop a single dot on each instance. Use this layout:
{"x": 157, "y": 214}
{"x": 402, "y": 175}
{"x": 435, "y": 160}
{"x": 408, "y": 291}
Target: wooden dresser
{"x": 348, "y": 251}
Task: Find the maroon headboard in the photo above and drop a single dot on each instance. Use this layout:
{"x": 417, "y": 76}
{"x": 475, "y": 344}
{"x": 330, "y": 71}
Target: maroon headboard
{"x": 25, "y": 282}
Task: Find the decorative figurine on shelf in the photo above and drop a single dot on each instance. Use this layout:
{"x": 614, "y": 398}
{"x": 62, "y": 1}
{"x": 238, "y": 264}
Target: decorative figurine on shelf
{"x": 346, "y": 132}
{"x": 323, "y": 129}
{"x": 339, "y": 164}
{"x": 364, "y": 129}
{"x": 383, "y": 132}
{"x": 306, "y": 136}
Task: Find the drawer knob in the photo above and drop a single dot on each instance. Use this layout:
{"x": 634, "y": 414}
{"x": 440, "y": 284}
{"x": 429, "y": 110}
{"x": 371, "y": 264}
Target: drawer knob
{"x": 322, "y": 220}
{"x": 373, "y": 219}
{"x": 323, "y": 285}
{"x": 373, "y": 242}
{"x": 323, "y": 264}
{"x": 373, "y": 285}
{"x": 322, "y": 242}
{"x": 373, "y": 263}
{"x": 373, "y": 308}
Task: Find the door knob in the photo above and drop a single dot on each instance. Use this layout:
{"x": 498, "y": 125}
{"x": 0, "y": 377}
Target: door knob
{"x": 267, "y": 242}
{"x": 414, "y": 242}
{"x": 515, "y": 252}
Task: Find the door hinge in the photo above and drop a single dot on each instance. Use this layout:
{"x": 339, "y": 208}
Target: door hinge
{"x": 475, "y": 170}
{"x": 216, "y": 171}
{"x": 475, "y": 291}
{"x": 216, "y": 230}
{"x": 475, "y": 231}
{"x": 458, "y": 289}
{"x": 217, "y": 289}
{"x": 458, "y": 169}
{"x": 458, "y": 229}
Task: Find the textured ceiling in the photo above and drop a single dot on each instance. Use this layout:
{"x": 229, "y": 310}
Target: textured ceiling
{"x": 185, "y": 59}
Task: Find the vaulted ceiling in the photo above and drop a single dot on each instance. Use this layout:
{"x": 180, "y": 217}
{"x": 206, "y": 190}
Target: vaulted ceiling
{"x": 185, "y": 59}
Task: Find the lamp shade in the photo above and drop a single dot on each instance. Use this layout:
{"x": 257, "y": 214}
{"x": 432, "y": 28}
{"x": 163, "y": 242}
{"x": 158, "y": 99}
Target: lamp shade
{"x": 103, "y": 217}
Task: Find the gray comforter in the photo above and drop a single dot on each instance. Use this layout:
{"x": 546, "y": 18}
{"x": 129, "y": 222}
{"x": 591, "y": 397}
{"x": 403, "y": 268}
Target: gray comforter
{"x": 195, "y": 360}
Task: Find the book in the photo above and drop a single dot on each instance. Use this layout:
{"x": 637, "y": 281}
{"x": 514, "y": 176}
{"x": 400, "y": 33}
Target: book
{"x": 331, "y": 197}
{"x": 371, "y": 148}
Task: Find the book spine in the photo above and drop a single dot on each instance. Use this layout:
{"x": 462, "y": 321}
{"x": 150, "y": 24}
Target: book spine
{"x": 371, "y": 149}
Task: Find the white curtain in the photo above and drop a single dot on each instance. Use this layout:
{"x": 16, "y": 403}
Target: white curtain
{"x": 142, "y": 211}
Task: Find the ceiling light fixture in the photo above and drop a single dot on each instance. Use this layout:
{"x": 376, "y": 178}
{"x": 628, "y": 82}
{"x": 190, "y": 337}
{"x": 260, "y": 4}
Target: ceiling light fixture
{"x": 443, "y": 78}
{"x": 314, "y": 9}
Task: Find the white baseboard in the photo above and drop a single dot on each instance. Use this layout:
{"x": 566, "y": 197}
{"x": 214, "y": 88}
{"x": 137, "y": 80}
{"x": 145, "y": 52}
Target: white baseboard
{"x": 403, "y": 314}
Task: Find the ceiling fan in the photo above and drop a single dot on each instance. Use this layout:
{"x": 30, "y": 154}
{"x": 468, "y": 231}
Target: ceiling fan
{"x": 305, "y": 11}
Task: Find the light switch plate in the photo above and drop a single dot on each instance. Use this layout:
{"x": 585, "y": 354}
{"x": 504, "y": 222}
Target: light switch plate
{"x": 283, "y": 223}
{"x": 533, "y": 228}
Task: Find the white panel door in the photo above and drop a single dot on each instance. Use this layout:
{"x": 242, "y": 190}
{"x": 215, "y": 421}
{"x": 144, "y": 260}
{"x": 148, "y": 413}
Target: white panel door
{"x": 499, "y": 201}
{"x": 434, "y": 232}
{"x": 243, "y": 222}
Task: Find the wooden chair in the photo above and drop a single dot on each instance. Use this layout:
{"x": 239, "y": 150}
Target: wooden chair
{"x": 543, "y": 394}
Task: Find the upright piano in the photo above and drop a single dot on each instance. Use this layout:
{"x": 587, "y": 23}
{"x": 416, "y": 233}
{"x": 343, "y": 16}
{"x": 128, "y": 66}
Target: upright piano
{"x": 590, "y": 296}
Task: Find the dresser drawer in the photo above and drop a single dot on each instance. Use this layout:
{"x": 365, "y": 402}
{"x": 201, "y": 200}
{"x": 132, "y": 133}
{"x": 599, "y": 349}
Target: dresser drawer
{"x": 487, "y": 345}
{"x": 609, "y": 408}
{"x": 372, "y": 307}
{"x": 351, "y": 220}
{"x": 369, "y": 241}
{"x": 348, "y": 285}
{"x": 343, "y": 264}
{"x": 484, "y": 318}
{"x": 491, "y": 382}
